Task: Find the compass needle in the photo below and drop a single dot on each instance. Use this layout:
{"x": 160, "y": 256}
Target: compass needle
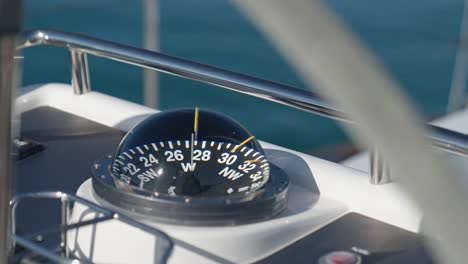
{"x": 191, "y": 151}
{"x": 193, "y": 137}
{"x": 195, "y": 122}
{"x": 242, "y": 144}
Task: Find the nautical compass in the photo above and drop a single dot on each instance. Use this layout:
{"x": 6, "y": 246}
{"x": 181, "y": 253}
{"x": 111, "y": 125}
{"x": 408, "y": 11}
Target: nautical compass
{"x": 191, "y": 166}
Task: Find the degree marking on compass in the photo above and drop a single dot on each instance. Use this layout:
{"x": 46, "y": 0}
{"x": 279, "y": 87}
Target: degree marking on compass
{"x": 146, "y": 147}
{"x": 154, "y": 146}
{"x": 242, "y": 144}
{"x": 140, "y": 150}
{"x": 132, "y": 151}
{"x": 126, "y": 154}
{"x": 170, "y": 144}
{"x": 248, "y": 152}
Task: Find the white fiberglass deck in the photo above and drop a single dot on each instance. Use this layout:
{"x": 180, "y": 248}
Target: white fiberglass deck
{"x": 341, "y": 189}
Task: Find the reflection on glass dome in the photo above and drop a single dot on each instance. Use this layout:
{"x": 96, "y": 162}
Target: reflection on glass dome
{"x": 191, "y": 152}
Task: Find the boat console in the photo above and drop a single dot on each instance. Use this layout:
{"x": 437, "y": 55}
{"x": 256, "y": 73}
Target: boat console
{"x": 132, "y": 184}
{"x": 293, "y": 218}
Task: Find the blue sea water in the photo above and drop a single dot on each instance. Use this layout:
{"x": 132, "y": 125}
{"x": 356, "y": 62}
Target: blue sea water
{"x": 415, "y": 40}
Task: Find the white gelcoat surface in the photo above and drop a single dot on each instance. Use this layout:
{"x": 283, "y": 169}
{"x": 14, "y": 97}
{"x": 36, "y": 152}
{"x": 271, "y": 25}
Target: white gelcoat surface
{"x": 342, "y": 189}
{"x": 246, "y": 243}
{"x": 98, "y": 107}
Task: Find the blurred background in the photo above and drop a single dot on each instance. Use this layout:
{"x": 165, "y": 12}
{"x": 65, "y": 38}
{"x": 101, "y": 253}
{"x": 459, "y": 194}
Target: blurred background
{"x": 416, "y": 41}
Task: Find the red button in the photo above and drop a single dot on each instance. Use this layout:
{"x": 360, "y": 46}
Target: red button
{"x": 340, "y": 257}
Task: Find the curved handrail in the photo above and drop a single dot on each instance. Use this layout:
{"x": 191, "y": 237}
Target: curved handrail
{"x": 280, "y": 93}
{"x": 442, "y": 139}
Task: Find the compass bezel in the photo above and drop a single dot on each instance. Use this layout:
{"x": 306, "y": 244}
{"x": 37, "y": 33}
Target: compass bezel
{"x": 225, "y": 210}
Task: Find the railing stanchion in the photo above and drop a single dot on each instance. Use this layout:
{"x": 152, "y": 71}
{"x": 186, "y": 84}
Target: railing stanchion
{"x": 379, "y": 170}
{"x": 79, "y": 72}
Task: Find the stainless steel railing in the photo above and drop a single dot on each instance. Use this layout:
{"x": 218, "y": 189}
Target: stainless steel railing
{"x": 164, "y": 242}
{"x": 79, "y": 46}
